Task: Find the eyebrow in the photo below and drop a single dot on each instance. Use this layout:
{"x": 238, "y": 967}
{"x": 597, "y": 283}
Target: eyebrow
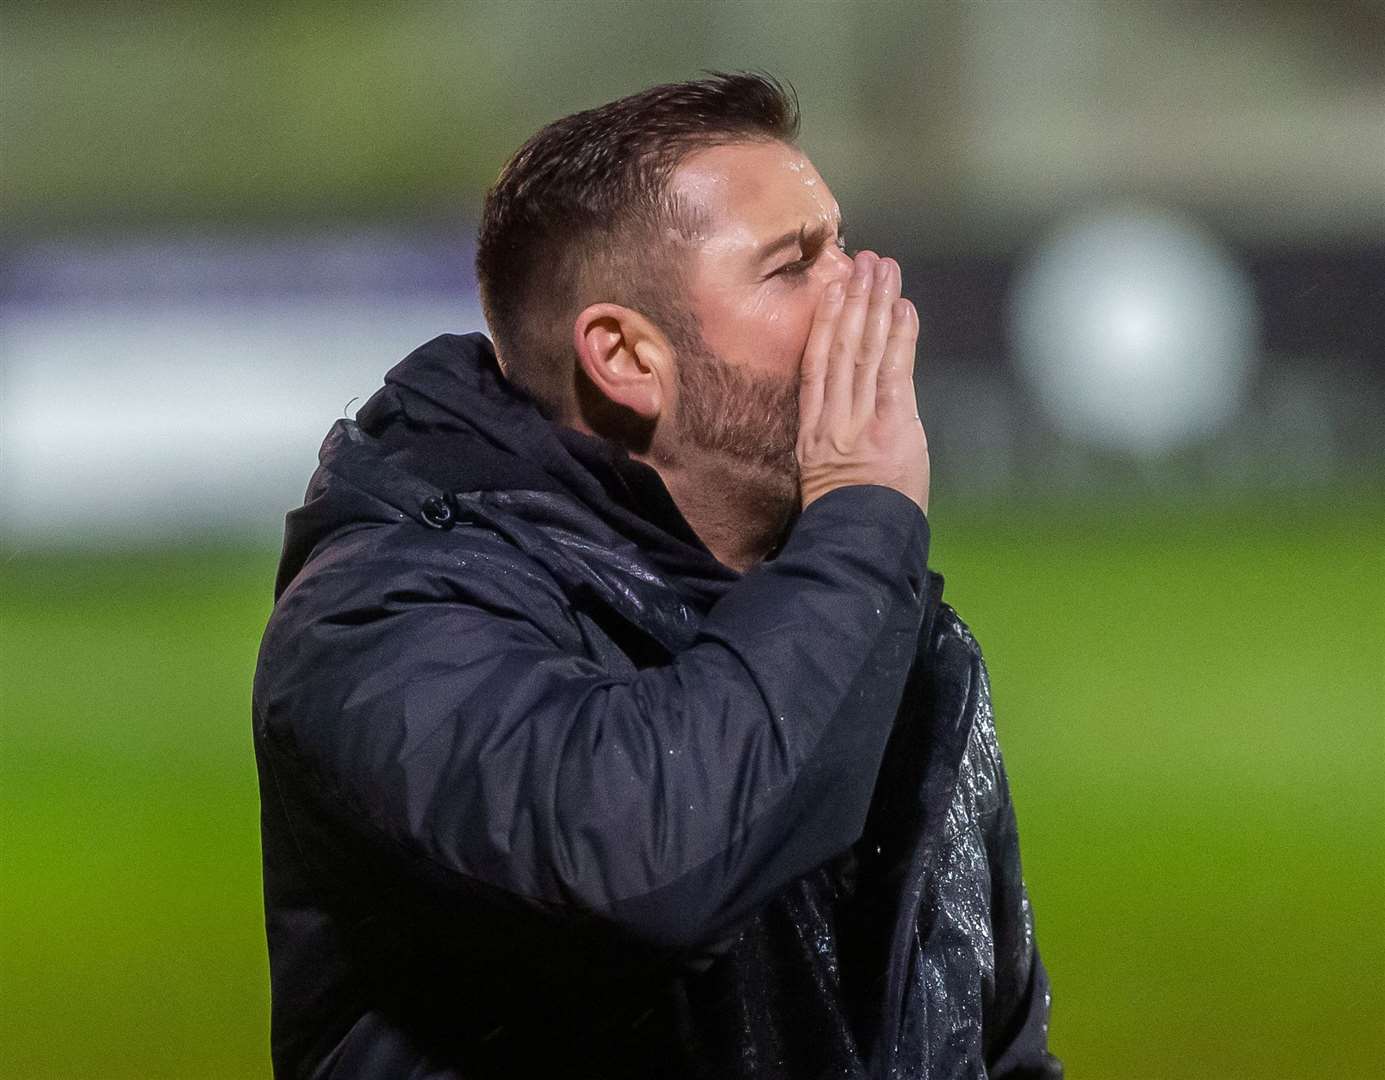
{"x": 803, "y": 237}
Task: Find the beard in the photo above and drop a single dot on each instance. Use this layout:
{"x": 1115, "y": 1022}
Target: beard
{"x": 745, "y": 418}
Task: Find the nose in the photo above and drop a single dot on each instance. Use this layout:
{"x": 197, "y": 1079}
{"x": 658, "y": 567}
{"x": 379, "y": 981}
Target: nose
{"x": 838, "y": 264}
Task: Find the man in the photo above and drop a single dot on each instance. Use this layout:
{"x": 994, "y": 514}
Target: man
{"x": 609, "y": 722}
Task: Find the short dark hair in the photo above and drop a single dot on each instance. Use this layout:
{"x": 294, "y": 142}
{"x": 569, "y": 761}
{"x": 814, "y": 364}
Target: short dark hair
{"x": 582, "y": 212}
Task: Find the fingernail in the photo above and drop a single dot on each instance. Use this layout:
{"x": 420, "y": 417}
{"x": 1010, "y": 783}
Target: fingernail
{"x": 834, "y": 291}
{"x": 882, "y": 272}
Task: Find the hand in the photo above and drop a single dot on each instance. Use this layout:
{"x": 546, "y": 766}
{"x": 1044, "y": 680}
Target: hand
{"x": 858, "y": 415}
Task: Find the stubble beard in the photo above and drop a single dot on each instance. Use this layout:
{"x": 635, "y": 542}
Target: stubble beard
{"x": 748, "y": 420}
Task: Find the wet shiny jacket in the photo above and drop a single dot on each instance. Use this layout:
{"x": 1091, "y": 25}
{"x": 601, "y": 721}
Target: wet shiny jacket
{"x": 548, "y": 791}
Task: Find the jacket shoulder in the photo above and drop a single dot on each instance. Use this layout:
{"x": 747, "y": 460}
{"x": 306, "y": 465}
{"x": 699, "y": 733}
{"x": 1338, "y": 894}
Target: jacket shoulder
{"x": 363, "y": 575}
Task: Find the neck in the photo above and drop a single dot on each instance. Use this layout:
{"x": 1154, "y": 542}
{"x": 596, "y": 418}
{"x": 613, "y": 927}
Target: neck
{"x": 739, "y": 513}
{"x": 738, "y": 509}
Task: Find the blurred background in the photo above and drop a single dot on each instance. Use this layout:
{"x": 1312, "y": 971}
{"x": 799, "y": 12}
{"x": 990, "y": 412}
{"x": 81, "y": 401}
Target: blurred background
{"x": 1147, "y": 241}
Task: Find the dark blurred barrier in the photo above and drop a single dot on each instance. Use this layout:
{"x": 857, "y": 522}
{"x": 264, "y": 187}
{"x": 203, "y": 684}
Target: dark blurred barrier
{"x": 178, "y": 387}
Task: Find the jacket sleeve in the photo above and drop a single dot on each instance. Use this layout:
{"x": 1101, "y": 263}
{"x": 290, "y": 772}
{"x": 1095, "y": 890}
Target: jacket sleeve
{"x": 1016, "y": 1020}
{"x": 438, "y": 700}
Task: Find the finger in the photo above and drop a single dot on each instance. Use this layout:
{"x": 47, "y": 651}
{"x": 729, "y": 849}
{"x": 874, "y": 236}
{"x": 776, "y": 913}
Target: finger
{"x": 846, "y": 342}
{"x": 879, "y": 318}
{"x": 813, "y": 370}
{"x": 894, "y": 394}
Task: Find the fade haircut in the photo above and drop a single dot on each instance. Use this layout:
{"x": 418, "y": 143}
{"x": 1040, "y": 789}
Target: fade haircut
{"x": 582, "y": 213}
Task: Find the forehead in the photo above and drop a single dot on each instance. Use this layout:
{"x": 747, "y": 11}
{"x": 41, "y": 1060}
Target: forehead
{"x": 754, "y": 189}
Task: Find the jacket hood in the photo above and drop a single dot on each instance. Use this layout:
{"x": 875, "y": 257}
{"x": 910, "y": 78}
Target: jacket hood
{"x": 447, "y": 422}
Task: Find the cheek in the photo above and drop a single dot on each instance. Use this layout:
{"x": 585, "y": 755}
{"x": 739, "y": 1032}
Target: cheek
{"x": 796, "y": 321}
{"x": 767, "y": 332}
{"x": 781, "y": 332}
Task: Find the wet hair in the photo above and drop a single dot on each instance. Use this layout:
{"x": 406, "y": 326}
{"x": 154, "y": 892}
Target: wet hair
{"x": 583, "y": 213}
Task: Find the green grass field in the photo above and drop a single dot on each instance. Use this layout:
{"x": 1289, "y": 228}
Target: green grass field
{"x": 1191, "y": 701}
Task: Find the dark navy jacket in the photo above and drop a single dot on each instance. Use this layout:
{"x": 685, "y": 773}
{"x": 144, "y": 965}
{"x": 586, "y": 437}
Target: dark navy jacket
{"x": 549, "y": 791}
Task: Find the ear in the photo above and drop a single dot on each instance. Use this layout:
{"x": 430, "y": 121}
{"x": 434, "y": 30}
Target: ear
{"x": 626, "y": 357}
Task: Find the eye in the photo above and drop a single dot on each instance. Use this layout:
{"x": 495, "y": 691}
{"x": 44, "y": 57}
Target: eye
{"x": 795, "y": 269}
{"x": 799, "y": 267}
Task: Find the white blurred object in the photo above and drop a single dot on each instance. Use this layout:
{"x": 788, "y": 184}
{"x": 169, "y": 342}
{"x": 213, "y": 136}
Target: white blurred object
{"x": 1135, "y": 329}
{"x": 172, "y": 419}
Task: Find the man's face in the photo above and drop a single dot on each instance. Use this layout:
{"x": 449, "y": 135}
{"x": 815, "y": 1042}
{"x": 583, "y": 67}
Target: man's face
{"x": 770, "y": 247}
